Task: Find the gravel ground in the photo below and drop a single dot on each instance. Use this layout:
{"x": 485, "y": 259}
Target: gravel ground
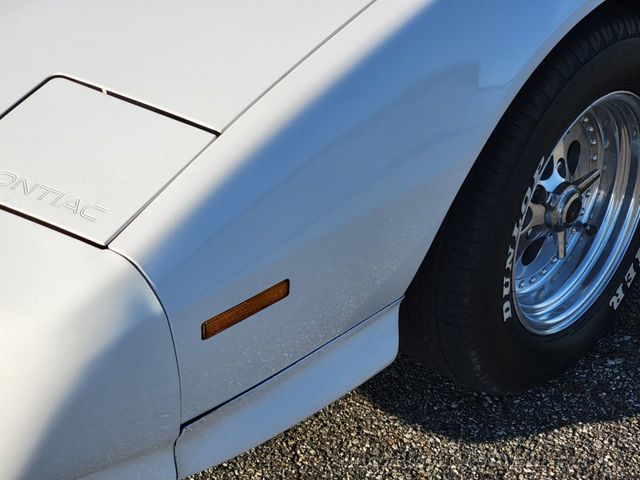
{"x": 409, "y": 423}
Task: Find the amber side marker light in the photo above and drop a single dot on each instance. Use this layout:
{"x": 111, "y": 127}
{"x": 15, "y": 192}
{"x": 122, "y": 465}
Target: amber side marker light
{"x": 244, "y": 310}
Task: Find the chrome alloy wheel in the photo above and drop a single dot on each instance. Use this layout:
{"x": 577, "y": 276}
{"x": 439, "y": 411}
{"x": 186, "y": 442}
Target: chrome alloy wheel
{"x": 581, "y": 217}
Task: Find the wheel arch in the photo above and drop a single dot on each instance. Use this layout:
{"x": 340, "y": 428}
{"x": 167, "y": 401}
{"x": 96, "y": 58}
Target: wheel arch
{"x": 574, "y": 23}
{"x": 529, "y": 69}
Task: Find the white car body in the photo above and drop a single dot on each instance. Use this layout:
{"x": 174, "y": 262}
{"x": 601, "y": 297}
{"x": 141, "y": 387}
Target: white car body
{"x": 203, "y": 151}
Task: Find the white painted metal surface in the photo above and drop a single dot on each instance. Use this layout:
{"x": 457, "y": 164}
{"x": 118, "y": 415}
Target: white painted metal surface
{"x": 87, "y": 370}
{"x": 293, "y": 395}
{"x": 87, "y": 162}
{"x": 205, "y": 59}
{"x": 337, "y": 178}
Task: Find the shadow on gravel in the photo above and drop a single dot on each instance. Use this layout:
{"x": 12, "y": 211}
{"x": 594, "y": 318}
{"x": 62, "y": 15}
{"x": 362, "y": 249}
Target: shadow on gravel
{"x": 603, "y": 386}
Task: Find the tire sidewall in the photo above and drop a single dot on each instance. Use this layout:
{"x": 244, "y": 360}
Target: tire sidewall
{"x": 519, "y": 356}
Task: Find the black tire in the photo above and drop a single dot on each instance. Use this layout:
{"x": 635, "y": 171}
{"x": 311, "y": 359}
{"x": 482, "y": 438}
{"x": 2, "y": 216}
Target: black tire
{"x": 452, "y": 317}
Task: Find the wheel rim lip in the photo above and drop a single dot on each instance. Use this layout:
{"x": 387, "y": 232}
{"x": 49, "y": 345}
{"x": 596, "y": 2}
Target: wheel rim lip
{"x": 602, "y": 255}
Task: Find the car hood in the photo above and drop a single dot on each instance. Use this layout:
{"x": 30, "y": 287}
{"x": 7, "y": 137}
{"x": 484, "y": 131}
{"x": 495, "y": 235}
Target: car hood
{"x": 206, "y": 60}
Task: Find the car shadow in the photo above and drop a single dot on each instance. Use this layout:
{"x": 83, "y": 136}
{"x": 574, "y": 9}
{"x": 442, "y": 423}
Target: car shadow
{"x": 603, "y": 386}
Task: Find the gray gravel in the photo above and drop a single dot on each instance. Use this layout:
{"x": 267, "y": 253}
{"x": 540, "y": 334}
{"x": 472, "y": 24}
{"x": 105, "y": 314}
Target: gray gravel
{"x": 409, "y": 423}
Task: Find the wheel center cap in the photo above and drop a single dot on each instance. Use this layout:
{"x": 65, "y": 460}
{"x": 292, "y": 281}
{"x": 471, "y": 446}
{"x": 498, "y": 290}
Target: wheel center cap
{"x": 564, "y": 207}
{"x": 572, "y": 210}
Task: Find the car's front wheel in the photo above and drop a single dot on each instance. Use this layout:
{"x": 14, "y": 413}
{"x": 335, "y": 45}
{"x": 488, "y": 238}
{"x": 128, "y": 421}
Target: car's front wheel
{"x": 541, "y": 244}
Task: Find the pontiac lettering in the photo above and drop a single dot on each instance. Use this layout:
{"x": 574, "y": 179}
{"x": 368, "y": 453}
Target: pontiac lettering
{"x": 51, "y": 196}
